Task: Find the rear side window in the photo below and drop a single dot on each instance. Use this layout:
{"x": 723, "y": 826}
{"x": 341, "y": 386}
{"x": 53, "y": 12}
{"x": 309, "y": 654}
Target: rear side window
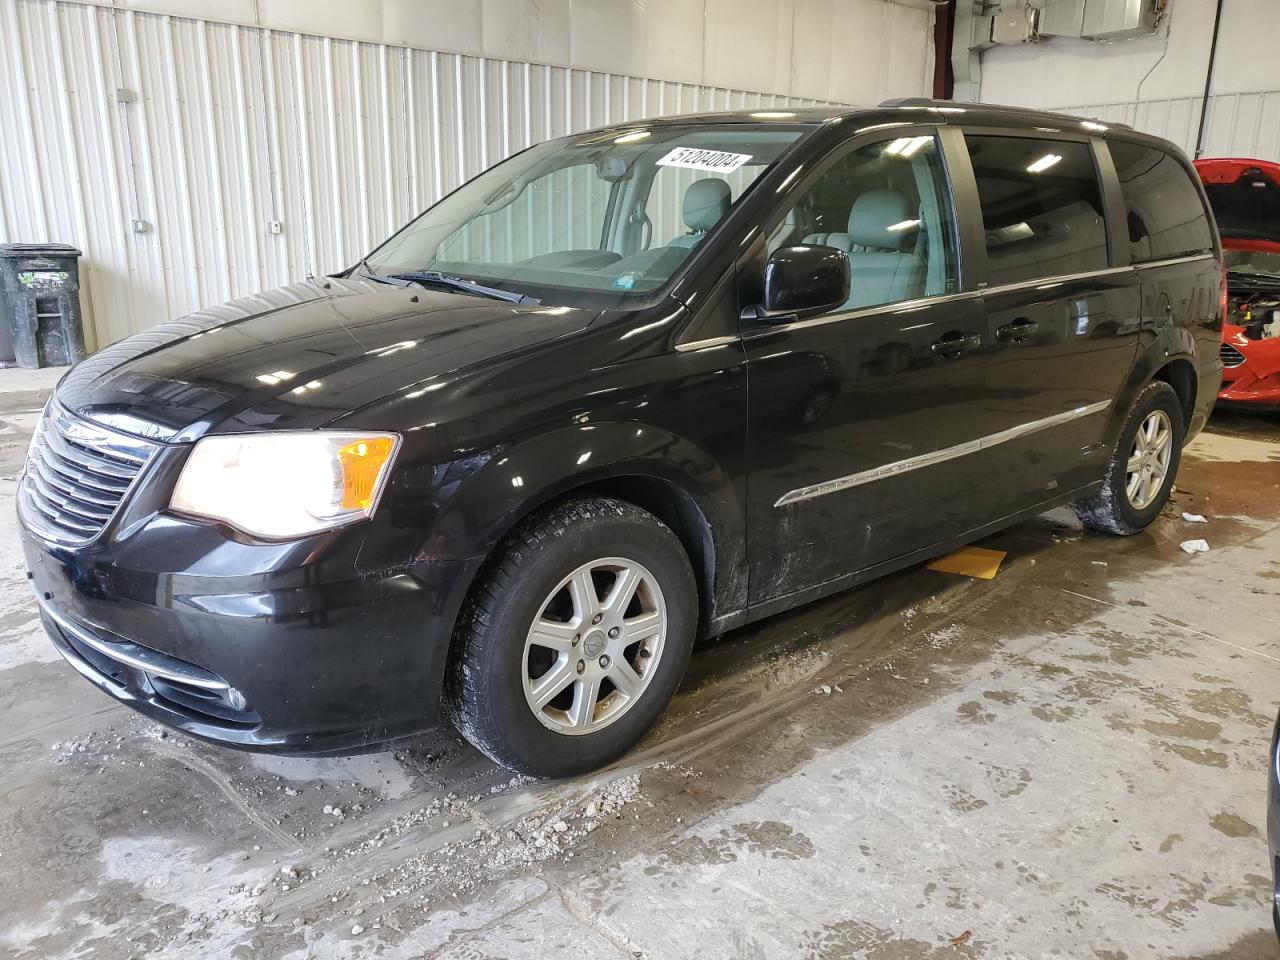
{"x": 1041, "y": 207}
{"x": 1165, "y": 215}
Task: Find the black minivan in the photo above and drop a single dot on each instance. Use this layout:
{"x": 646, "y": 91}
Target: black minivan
{"x": 627, "y": 388}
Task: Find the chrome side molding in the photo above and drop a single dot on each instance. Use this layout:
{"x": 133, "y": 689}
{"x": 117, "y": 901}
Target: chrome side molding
{"x": 707, "y": 344}
{"x": 939, "y": 456}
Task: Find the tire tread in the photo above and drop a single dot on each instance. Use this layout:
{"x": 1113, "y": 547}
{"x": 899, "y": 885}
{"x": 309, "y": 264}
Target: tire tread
{"x": 464, "y": 703}
{"x": 1102, "y": 512}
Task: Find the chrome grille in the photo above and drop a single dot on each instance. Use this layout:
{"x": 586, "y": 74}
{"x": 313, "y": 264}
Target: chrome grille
{"x": 77, "y": 474}
{"x": 1231, "y": 357}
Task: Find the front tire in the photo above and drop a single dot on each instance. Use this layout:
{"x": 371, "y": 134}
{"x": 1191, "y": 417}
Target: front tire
{"x": 1143, "y": 466}
{"x": 574, "y": 640}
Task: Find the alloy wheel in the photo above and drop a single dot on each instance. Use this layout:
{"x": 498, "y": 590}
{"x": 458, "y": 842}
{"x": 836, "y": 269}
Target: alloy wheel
{"x": 1149, "y": 460}
{"x": 594, "y": 645}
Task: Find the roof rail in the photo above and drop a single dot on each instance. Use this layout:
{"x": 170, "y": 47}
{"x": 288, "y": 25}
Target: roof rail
{"x": 955, "y": 105}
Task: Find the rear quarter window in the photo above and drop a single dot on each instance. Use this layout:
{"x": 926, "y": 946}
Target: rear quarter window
{"x": 1166, "y": 217}
{"x": 1041, "y": 207}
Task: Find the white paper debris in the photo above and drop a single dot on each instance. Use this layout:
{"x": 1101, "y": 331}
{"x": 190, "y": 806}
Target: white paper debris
{"x": 1195, "y": 546}
{"x": 1194, "y": 518}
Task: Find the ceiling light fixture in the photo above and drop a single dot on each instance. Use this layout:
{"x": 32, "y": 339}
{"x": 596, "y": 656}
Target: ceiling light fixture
{"x": 1044, "y": 163}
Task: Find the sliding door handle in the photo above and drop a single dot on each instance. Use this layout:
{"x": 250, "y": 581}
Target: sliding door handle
{"x": 955, "y": 344}
{"x": 1020, "y": 331}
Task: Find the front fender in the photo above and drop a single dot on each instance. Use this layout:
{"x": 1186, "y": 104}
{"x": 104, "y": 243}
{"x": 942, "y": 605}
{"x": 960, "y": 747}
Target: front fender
{"x": 516, "y": 481}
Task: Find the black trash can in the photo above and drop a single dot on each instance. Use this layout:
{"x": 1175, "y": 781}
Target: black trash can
{"x": 41, "y": 287}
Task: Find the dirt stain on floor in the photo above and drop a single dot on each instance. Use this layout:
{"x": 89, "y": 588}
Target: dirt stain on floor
{"x": 1188, "y": 728}
{"x": 859, "y": 940}
{"x": 1202, "y": 756}
{"x": 1231, "y": 825}
{"x": 770, "y": 838}
{"x": 1258, "y": 945}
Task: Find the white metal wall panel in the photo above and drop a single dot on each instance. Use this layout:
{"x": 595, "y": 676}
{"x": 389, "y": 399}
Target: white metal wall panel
{"x": 1238, "y": 124}
{"x": 225, "y": 129}
{"x": 1244, "y": 125}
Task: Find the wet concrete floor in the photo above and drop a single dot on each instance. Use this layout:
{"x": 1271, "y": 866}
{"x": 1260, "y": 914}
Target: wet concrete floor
{"x": 1066, "y": 761}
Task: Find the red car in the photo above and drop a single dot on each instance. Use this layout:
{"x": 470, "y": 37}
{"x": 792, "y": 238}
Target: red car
{"x": 1245, "y": 196}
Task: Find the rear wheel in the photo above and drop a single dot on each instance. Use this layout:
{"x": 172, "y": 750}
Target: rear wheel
{"x": 575, "y": 640}
{"x": 1143, "y": 466}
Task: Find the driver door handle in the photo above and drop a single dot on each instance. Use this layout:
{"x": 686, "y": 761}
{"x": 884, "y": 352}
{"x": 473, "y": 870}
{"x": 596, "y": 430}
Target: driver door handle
{"x": 955, "y": 343}
{"x": 1020, "y": 331}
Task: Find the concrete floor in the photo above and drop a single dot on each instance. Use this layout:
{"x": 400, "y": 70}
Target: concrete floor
{"x": 1067, "y": 761}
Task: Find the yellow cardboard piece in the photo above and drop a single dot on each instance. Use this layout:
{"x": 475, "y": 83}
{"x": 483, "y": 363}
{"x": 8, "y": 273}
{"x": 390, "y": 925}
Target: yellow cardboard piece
{"x": 971, "y": 562}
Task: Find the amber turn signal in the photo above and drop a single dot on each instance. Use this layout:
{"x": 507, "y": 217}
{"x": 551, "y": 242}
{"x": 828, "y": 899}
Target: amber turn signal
{"x": 361, "y": 463}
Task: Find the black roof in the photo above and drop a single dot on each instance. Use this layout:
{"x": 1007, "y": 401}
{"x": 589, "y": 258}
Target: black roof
{"x": 781, "y": 115}
{"x": 941, "y": 109}
{"x": 981, "y": 111}
{"x": 891, "y": 111}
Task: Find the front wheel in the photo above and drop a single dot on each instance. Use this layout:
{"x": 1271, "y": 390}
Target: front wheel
{"x": 575, "y": 639}
{"x": 1143, "y": 466}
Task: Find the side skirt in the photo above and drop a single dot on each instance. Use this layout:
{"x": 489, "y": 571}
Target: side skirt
{"x": 751, "y": 614}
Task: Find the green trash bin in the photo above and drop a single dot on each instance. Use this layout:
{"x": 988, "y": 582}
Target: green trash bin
{"x": 41, "y": 287}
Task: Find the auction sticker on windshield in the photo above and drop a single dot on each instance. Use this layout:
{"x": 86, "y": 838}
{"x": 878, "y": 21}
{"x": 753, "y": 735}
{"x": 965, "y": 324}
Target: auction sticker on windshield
{"x": 692, "y": 158}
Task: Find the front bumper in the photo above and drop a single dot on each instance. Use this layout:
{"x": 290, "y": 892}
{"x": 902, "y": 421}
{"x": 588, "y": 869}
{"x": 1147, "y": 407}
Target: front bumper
{"x": 256, "y": 646}
{"x": 1251, "y": 370}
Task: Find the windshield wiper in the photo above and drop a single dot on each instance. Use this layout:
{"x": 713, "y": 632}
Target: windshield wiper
{"x": 362, "y": 269}
{"x": 433, "y": 278}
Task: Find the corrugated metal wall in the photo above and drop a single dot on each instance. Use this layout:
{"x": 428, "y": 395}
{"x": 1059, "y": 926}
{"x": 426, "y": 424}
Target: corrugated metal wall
{"x": 173, "y": 150}
{"x": 1238, "y": 124}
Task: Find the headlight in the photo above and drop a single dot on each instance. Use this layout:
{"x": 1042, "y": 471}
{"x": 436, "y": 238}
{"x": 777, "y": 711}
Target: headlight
{"x": 282, "y": 485}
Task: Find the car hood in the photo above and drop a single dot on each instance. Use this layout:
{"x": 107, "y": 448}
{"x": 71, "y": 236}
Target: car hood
{"x": 298, "y": 357}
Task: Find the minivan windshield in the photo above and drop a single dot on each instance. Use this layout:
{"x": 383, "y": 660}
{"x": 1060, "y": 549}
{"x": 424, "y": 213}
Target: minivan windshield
{"x": 589, "y": 220}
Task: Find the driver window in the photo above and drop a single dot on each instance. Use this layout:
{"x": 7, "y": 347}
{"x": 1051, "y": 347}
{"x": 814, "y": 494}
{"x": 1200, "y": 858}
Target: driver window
{"x": 888, "y": 207}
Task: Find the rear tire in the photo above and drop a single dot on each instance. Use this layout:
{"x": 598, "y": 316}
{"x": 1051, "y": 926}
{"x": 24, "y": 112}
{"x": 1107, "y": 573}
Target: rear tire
{"x": 575, "y": 639}
{"x": 1142, "y": 469}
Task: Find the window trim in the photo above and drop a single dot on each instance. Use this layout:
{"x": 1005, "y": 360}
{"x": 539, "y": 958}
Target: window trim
{"x": 878, "y": 310}
{"x": 976, "y": 235}
{"x": 908, "y": 306}
{"x": 1115, "y": 215}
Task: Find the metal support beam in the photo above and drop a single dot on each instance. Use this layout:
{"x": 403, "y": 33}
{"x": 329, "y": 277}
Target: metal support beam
{"x": 972, "y": 35}
{"x": 1208, "y": 80}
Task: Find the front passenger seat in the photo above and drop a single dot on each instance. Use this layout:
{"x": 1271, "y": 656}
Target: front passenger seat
{"x": 705, "y": 204}
{"x": 881, "y": 223}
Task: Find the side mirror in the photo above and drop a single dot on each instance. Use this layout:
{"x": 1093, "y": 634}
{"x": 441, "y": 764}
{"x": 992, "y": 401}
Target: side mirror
{"x": 805, "y": 280}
